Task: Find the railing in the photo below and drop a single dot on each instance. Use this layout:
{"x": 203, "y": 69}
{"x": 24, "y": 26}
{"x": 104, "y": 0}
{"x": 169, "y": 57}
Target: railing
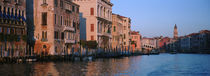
{"x": 107, "y": 34}
{"x": 13, "y": 22}
{"x": 69, "y": 41}
{"x": 68, "y": 28}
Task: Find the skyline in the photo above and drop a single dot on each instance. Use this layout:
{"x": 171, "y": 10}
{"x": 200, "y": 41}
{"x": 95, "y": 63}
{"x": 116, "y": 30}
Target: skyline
{"x": 190, "y": 16}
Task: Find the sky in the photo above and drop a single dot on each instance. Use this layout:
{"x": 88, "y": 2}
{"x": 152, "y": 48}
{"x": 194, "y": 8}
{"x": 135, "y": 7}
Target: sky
{"x": 154, "y": 18}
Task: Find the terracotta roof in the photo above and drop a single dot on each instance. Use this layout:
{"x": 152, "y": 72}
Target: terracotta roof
{"x": 135, "y": 33}
{"x": 204, "y": 31}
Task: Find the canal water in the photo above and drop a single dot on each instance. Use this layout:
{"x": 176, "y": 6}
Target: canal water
{"x": 152, "y": 65}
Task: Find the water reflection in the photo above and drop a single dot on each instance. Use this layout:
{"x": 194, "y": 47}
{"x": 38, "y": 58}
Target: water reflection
{"x": 158, "y": 65}
{"x": 45, "y": 69}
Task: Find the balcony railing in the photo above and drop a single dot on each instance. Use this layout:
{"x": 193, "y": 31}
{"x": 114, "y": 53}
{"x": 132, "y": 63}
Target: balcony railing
{"x": 107, "y": 34}
{"x": 44, "y": 4}
{"x": 12, "y": 22}
{"x": 6, "y": 1}
{"x": 69, "y": 41}
{"x": 68, "y": 28}
{"x": 44, "y": 40}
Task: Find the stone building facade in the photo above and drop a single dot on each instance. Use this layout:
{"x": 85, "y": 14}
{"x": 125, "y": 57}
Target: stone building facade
{"x": 126, "y": 32}
{"x": 117, "y": 31}
{"x": 136, "y": 41}
{"x": 12, "y": 28}
{"x": 56, "y": 26}
{"x": 98, "y": 21}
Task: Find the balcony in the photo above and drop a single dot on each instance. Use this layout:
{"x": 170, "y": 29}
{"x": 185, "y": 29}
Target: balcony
{"x": 68, "y": 28}
{"x": 18, "y": 3}
{"x": 44, "y": 4}
{"x": 68, "y": 10}
{"x": 69, "y": 41}
{"x": 6, "y": 1}
{"x": 44, "y": 40}
{"x": 107, "y": 35}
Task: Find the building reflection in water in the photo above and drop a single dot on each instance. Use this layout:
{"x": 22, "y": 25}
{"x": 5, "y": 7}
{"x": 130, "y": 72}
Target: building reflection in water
{"x": 109, "y": 67}
{"x": 45, "y": 69}
{"x": 15, "y": 69}
{"x": 100, "y": 67}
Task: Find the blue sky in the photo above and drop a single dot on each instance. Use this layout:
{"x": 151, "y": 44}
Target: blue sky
{"x": 158, "y": 17}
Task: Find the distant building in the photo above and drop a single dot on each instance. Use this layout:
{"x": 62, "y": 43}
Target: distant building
{"x": 149, "y": 44}
{"x": 175, "y": 32}
{"x": 185, "y": 43}
{"x": 56, "y": 26}
{"x": 163, "y": 44}
{"x": 117, "y": 31}
{"x": 136, "y": 41}
{"x": 199, "y": 42}
{"x": 13, "y": 28}
{"x": 97, "y": 15}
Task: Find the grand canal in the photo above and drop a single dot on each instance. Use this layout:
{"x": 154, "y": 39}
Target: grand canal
{"x": 152, "y": 65}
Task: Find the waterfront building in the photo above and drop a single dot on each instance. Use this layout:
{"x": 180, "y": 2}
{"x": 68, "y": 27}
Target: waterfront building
{"x": 136, "y": 41}
{"x": 117, "y": 31}
{"x": 56, "y": 26}
{"x": 97, "y": 20}
{"x": 200, "y": 42}
{"x": 204, "y": 37}
{"x": 185, "y": 43}
{"x": 126, "y": 33}
{"x": 13, "y": 28}
{"x": 162, "y": 43}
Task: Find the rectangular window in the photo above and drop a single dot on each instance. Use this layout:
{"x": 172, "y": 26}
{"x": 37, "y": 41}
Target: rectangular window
{"x": 12, "y": 31}
{"x": 77, "y": 10}
{"x": 114, "y": 28}
{"x": 73, "y": 8}
{"x": 91, "y": 11}
{"x": 55, "y": 19}
{"x": 92, "y": 37}
{"x": 8, "y": 30}
{"x": 92, "y": 28}
{"x": 68, "y": 35}
{"x": 56, "y": 3}
{"x": 61, "y": 20}
{"x": 44, "y": 2}
{"x": 62, "y": 35}
{"x": 44, "y": 35}
{"x": 61, "y": 4}
{"x": 44, "y": 18}
{"x": 56, "y": 35}
{"x": 0, "y": 29}
{"x": 4, "y": 30}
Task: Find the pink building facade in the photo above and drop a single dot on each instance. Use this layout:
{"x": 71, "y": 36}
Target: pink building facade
{"x": 136, "y": 41}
